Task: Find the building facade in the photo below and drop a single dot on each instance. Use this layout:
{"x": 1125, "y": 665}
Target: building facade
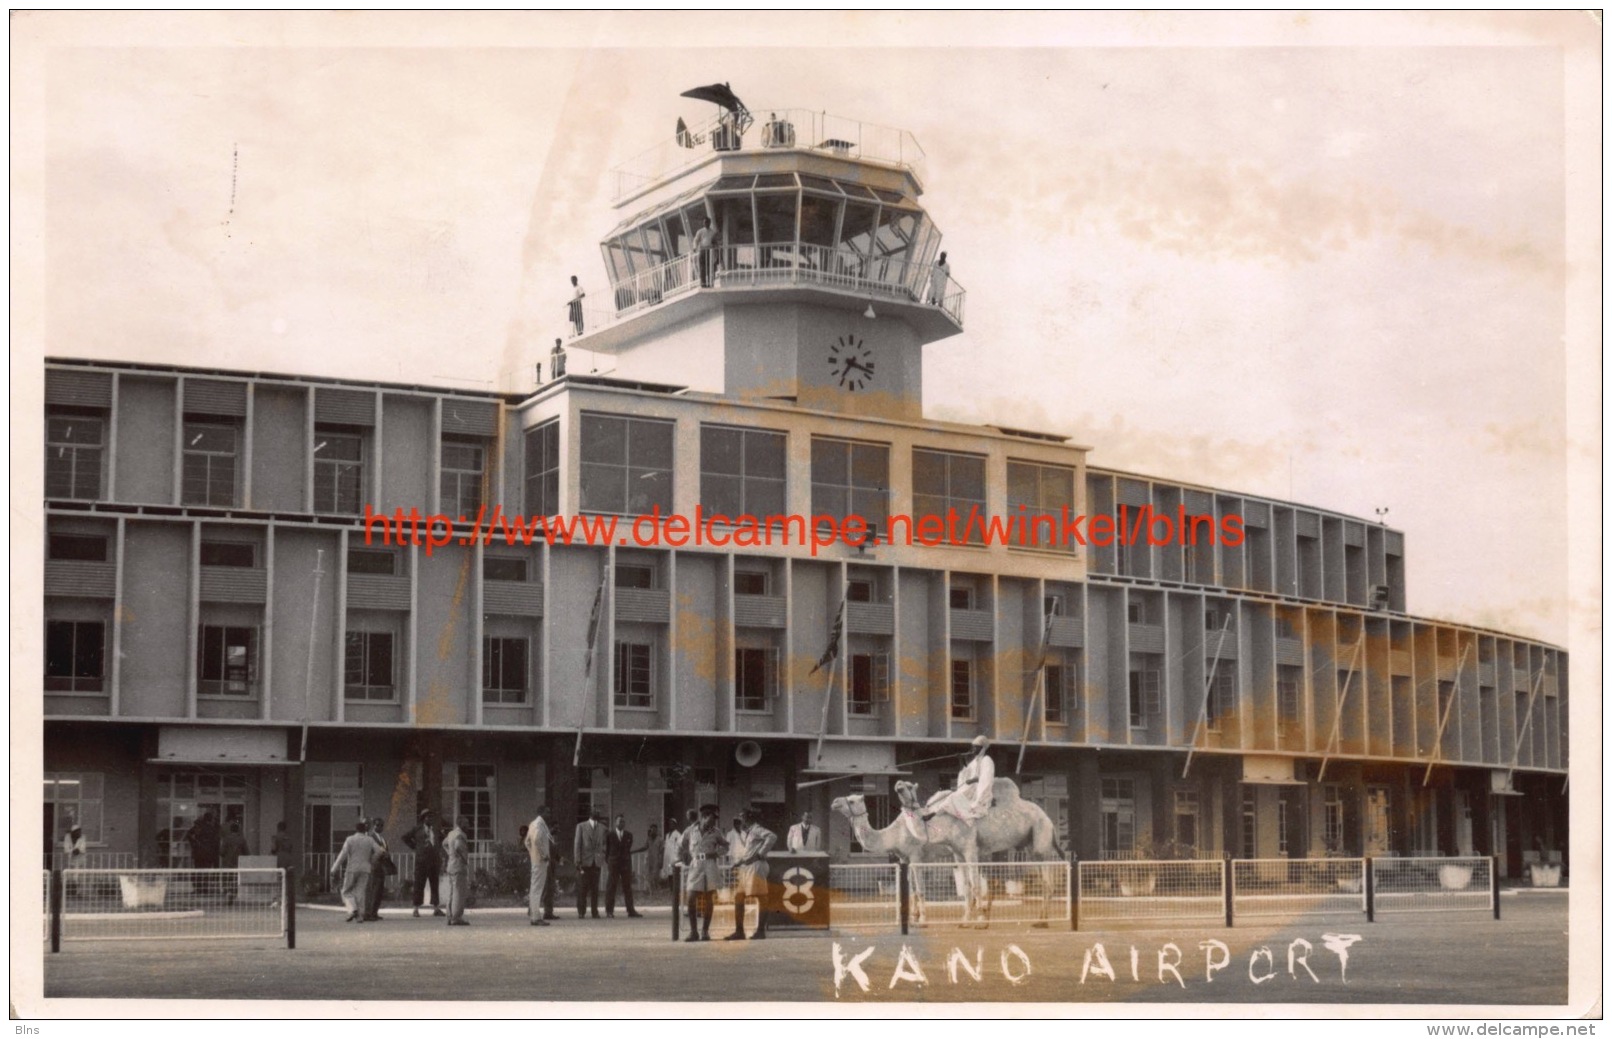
{"x": 242, "y": 613}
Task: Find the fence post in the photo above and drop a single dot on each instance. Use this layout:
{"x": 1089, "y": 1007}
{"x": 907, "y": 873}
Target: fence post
{"x": 289, "y": 896}
{"x": 1371, "y": 892}
{"x": 677, "y": 892}
{"x": 1074, "y": 892}
{"x": 1225, "y": 885}
{"x": 1494, "y": 883}
{"x": 57, "y": 884}
{"x": 904, "y": 887}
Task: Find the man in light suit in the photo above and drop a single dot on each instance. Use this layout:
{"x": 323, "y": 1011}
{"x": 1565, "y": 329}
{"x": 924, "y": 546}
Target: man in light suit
{"x": 588, "y": 849}
{"x": 803, "y": 836}
{"x": 358, "y": 855}
{"x": 456, "y": 871}
{"x": 537, "y": 849}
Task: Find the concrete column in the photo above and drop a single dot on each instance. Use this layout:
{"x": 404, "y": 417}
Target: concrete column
{"x": 1085, "y": 801}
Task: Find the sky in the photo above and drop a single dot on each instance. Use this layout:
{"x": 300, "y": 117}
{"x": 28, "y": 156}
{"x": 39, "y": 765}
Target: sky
{"x": 1328, "y": 259}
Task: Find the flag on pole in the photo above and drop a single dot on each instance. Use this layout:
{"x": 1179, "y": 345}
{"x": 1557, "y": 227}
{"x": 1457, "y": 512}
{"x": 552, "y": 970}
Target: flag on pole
{"x": 832, "y": 651}
{"x": 587, "y": 661}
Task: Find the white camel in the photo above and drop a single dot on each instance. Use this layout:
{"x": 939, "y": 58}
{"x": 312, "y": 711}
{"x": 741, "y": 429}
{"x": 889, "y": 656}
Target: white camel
{"x": 902, "y": 838}
{"x": 1011, "y": 824}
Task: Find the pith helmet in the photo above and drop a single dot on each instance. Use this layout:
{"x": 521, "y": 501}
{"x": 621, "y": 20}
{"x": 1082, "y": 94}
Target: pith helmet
{"x": 982, "y": 741}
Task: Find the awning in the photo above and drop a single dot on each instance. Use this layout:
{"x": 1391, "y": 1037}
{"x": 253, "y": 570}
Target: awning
{"x": 221, "y": 762}
{"x": 1269, "y": 770}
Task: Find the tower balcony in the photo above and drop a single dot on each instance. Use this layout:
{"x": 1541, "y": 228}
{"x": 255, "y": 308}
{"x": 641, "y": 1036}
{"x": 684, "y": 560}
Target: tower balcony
{"x": 796, "y": 129}
{"x": 923, "y": 295}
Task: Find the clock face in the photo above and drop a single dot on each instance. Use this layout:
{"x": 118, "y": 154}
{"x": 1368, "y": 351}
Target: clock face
{"x": 851, "y": 362}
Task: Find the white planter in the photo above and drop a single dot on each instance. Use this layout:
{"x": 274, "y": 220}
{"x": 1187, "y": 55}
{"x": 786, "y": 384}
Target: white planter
{"x": 1454, "y": 878}
{"x": 140, "y": 892}
{"x": 1142, "y": 884}
{"x": 1545, "y": 875}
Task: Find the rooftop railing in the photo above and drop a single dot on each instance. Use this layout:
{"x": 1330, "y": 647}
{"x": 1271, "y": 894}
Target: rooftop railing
{"x": 783, "y": 265}
{"x": 783, "y": 128}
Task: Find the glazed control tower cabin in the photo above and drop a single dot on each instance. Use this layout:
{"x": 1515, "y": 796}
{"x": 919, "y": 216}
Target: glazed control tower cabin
{"x": 219, "y": 633}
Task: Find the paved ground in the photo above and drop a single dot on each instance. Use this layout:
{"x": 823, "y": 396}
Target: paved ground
{"x": 1432, "y": 958}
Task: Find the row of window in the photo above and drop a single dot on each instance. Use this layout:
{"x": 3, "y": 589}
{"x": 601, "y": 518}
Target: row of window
{"x": 626, "y": 469}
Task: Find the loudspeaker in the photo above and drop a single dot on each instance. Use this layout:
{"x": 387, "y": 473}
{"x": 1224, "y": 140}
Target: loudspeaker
{"x": 748, "y": 753}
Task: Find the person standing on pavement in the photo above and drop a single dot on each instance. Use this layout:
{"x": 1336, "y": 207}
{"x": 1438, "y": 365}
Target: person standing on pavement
{"x": 538, "y": 843}
{"x": 588, "y": 848}
{"x": 357, "y": 856}
{"x": 751, "y": 876}
{"x": 426, "y": 843}
{"x": 456, "y": 870}
{"x": 230, "y": 850}
{"x": 383, "y": 868}
{"x": 704, "y": 850}
{"x": 618, "y": 854}
{"x": 671, "y": 851}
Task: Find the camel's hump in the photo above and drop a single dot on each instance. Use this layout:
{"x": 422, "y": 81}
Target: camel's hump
{"x": 1004, "y": 791}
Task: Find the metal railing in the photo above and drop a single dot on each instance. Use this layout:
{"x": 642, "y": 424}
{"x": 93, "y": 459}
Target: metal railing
{"x": 864, "y": 896}
{"x": 1147, "y": 890}
{"x": 777, "y": 129}
{"x": 1295, "y": 887}
{"x": 186, "y": 904}
{"x": 782, "y": 264}
{"x": 93, "y": 860}
{"x": 1432, "y": 885}
{"x": 1034, "y": 893}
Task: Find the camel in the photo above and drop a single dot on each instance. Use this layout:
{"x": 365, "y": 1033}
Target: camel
{"x": 899, "y": 838}
{"x": 1012, "y": 824}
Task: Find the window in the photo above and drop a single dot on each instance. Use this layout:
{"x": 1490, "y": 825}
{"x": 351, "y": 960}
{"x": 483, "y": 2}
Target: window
{"x": 1042, "y": 496}
{"x": 1446, "y": 693}
{"x": 755, "y": 677}
{"x": 209, "y": 471}
{"x": 338, "y": 471}
{"x": 1052, "y": 606}
{"x": 870, "y": 682}
{"x": 962, "y": 688}
{"x": 503, "y": 568}
{"x": 626, "y": 464}
{"x": 593, "y": 791}
{"x": 749, "y": 582}
{"x": 851, "y": 479}
{"x": 503, "y": 670}
{"x": 1186, "y": 819}
{"x": 634, "y": 576}
{"x": 72, "y": 799}
{"x": 741, "y": 472}
{"x": 333, "y": 797}
{"x": 1118, "y": 832}
{"x": 1250, "y": 828}
{"x": 78, "y": 547}
{"x": 635, "y": 675}
{"x": 226, "y": 663}
{"x": 943, "y": 482}
{"x": 1144, "y": 690}
{"x": 228, "y": 553}
{"x": 1332, "y": 816}
{"x": 75, "y": 656}
{"x": 370, "y": 561}
{"x": 962, "y": 597}
{"x": 859, "y": 590}
{"x": 368, "y": 674}
{"x": 464, "y": 474}
{"x": 1222, "y": 693}
{"x": 1217, "y": 616}
{"x": 1062, "y": 688}
{"x": 467, "y": 792}
{"x": 1288, "y": 682}
{"x": 73, "y": 446}
{"x": 543, "y": 469}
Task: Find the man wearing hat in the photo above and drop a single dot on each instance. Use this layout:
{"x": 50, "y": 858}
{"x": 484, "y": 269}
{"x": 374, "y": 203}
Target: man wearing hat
{"x": 972, "y": 798}
{"x": 426, "y": 843}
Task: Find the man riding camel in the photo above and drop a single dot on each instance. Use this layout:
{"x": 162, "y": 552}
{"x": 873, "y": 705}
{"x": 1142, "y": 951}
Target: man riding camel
{"x": 972, "y": 797}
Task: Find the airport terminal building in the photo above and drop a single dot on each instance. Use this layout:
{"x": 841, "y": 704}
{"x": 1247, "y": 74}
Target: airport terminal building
{"x": 223, "y": 628}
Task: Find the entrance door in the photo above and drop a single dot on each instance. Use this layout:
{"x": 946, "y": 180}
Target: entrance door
{"x": 1463, "y": 823}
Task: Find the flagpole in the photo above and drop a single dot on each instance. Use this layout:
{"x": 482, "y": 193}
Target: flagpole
{"x": 1035, "y": 691}
{"x": 594, "y": 624}
{"x": 831, "y": 660}
{"x": 828, "y": 695}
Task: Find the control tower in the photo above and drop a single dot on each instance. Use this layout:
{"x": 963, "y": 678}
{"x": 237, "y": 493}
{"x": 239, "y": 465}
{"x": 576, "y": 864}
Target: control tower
{"x": 822, "y": 282}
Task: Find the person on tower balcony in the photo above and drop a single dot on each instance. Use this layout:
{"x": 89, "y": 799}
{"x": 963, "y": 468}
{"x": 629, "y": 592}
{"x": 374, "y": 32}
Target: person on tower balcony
{"x": 557, "y": 361}
{"x": 575, "y": 307}
{"x": 705, "y": 252}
